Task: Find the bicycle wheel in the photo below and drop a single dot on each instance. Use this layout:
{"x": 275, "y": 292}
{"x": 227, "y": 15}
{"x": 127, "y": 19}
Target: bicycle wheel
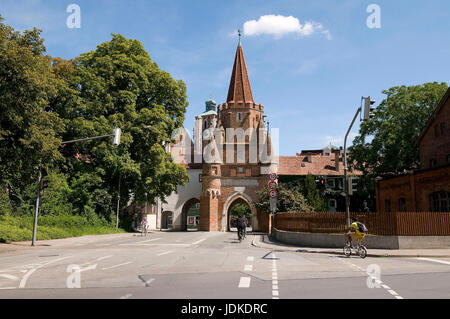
{"x": 362, "y": 252}
{"x": 347, "y": 251}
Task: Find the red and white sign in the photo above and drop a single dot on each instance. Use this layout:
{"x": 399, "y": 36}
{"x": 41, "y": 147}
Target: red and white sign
{"x": 273, "y": 176}
{"x": 273, "y": 185}
{"x": 273, "y": 194}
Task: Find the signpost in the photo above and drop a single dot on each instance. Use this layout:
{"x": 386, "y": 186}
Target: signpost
{"x": 273, "y": 194}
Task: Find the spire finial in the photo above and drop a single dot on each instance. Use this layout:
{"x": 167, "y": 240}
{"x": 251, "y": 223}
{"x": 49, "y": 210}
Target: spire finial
{"x": 240, "y": 34}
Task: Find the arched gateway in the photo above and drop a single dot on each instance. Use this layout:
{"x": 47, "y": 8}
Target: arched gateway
{"x": 232, "y": 200}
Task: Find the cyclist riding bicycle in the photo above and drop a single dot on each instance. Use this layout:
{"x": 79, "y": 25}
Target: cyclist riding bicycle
{"x": 355, "y": 232}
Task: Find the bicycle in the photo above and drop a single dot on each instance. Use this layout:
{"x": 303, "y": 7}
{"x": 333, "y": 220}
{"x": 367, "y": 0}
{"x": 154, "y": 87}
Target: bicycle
{"x": 240, "y": 234}
{"x": 360, "y": 250}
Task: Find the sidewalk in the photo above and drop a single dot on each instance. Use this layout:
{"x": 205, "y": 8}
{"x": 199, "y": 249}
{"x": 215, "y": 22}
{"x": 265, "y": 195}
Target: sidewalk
{"x": 268, "y": 242}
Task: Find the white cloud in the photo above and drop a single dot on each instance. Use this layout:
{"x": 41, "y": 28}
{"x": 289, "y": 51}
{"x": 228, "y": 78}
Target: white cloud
{"x": 278, "y": 26}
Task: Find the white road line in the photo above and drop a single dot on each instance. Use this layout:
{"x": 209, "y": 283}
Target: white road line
{"x": 149, "y": 281}
{"x": 93, "y": 261}
{"x": 146, "y": 241}
{"x": 392, "y": 292}
{"x": 398, "y": 297}
{"x": 244, "y": 282}
{"x": 165, "y": 253}
{"x": 23, "y": 282}
{"x": 435, "y": 261}
{"x": 248, "y": 268}
{"x": 126, "y": 296}
{"x": 199, "y": 241}
{"x": 275, "y": 293}
{"x": 9, "y": 276}
{"x": 250, "y": 258}
{"x": 386, "y": 287}
{"x": 156, "y": 245}
{"x": 7, "y": 288}
{"x": 115, "y": 266}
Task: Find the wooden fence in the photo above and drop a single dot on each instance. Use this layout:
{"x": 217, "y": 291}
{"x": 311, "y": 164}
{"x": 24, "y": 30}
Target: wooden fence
{"x": 398, "y": 223}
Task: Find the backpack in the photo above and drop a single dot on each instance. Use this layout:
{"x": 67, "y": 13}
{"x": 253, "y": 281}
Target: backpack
{"x": 362, "y": 228}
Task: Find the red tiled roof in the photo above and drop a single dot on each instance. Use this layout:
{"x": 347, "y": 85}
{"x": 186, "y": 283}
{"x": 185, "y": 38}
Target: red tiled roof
{"x": 320, "y": 165}
{"x": 240, "y": 89}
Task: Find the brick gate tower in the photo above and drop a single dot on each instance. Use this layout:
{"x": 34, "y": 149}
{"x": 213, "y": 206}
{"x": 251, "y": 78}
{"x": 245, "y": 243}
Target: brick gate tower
{"x": 237, "y": 174}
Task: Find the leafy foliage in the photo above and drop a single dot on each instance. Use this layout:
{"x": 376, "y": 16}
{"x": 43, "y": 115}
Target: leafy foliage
{"x": 290, "y": 199}
{"x": 387, "y": 144}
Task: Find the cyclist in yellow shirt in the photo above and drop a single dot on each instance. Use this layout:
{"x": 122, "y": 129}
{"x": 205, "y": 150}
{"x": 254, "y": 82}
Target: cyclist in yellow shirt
{"x": 353, "y": 232}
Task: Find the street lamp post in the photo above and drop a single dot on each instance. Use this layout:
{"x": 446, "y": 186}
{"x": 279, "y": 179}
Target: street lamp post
{"x": 116, "y": 141}
{"x": 368, "y": 114}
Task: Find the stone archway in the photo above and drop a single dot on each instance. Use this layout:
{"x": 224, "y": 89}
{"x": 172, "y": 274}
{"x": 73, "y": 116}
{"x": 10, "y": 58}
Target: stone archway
{"x": 238, "y": 196}
{"x": 184, "y": 212}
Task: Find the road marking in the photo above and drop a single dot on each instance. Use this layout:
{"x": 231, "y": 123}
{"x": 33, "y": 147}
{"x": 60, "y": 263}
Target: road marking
{"x": 126, "y": 296}
{"x": 156, "y": 245}
{"x": 146, "y": 241}
{"x": 149, "y": 281}
{"x": 165, "y": 253}
{"x": 392, "y": 292}
{"x": 435, "y": 260}
{"x": 275, "y": 292}
{"x": 248, "y": 268}
{"x": 93, "y": 261}
{"x": 9, "y": 276}
{"x": 250, "y": 258}
{"x": 7, "y": 288}
{"x": 199, "y": 241}
{"x": 23, "y": 282}
{"x": 115, "y": 266}
{"x": 244, "y": 282}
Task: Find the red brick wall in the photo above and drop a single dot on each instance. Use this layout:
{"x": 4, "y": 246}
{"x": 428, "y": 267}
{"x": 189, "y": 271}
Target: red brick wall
{"x": 435, "y": 144}
{"x": 415, "y": 188}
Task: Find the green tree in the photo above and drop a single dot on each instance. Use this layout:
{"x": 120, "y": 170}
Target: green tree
{"x": 241, "y": 209}
{"x": 313, "y": 196}
{"x": 387, "y": 144}
{"x": 118, "y": 85}
{"x": 290, "y": 199}
{"x": 29, "y": 130}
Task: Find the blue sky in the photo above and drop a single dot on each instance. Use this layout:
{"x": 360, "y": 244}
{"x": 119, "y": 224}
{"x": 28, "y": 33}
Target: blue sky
{"x": 310, "y": 83}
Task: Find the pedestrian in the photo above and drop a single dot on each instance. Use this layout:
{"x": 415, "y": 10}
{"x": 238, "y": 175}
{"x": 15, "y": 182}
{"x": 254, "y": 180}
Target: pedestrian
{"x": 144, "y": 226}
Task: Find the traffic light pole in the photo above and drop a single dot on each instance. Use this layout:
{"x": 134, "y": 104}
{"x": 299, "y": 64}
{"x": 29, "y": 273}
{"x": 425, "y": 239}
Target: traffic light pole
{"x": 346, "y": 190}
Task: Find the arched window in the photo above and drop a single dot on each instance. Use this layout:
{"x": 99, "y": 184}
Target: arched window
{"x": 440, "y": 202}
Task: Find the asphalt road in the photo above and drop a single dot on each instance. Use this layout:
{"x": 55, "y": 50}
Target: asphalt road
{"x": 199, "y": 265}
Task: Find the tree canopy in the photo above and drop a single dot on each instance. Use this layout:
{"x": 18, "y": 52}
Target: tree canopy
{"x": 387, "y": 144}
{"x": 47, "y": 100}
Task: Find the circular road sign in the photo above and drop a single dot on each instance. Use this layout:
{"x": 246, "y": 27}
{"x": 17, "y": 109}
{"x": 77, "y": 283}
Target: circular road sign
{"x": 273, "y": 185}
{"x": 273, "y": 176}
{"x": 273, "y": 194}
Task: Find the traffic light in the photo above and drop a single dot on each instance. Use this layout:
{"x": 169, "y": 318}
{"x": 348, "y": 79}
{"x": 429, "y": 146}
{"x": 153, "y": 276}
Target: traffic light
{"x": 320, "y": 182}
{"x": 368, "y": 109}
{"x": 116, "y": 136}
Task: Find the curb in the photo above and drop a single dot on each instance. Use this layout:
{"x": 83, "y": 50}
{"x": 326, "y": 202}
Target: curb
{"x": 307, "y": 250}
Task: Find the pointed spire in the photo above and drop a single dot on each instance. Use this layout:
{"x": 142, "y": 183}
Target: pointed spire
{"x": 240, "y": 89}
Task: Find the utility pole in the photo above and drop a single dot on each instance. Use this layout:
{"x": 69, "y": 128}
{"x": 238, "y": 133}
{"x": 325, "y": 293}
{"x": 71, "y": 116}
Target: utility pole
{"x": 118, "y": 204}
{"x": 36, "y": 212}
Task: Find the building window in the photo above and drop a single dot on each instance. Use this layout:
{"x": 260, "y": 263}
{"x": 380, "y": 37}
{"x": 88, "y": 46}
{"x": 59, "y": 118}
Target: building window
{"x": 332, "y": 205}
{"x": 433, "y": 163}
{"x": 440, "y": 202}
{"x": 239, "y": 116}
{"x": 331, "y": 183}
{"x": 402, "y": 205}
{"x": 387, "y": 206}
{"x": 240, "y": 170}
